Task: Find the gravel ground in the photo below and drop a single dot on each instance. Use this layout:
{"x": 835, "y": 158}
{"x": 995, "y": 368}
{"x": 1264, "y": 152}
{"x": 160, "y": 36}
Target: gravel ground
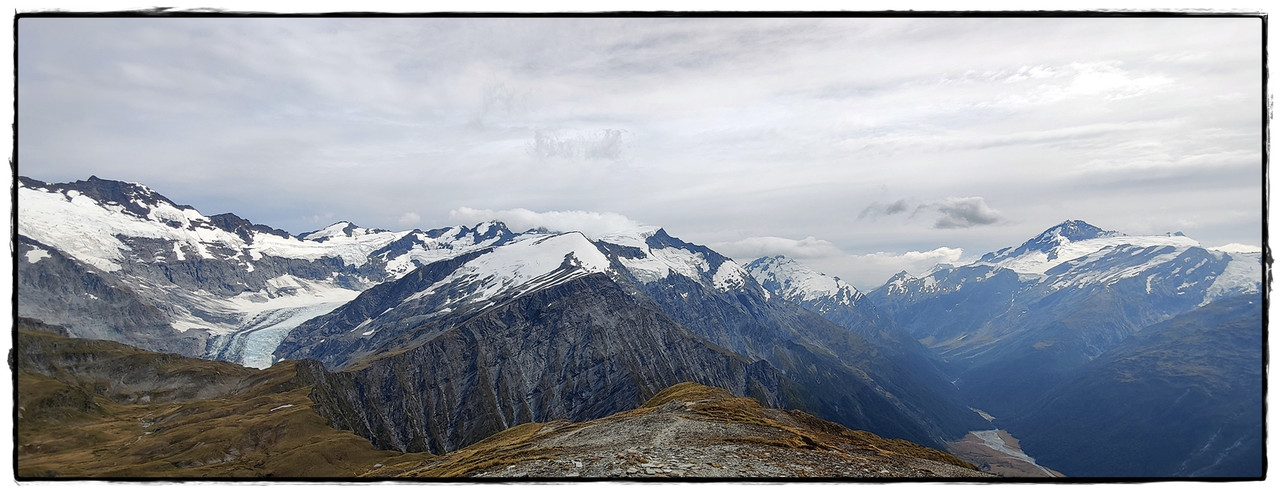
{"x": 674, "y": 442}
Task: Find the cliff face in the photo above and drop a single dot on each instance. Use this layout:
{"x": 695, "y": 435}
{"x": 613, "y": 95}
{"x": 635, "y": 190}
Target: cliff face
{"x": 579, "y": 350}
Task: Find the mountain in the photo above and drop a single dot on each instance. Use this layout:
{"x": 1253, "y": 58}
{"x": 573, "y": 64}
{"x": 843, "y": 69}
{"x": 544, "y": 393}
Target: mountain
{"x": 97, "y": 409}
{"x": 570, "y": 328}
{"x": 220, "y": 286}
{"x": 830, "y": 297}
{"x": 578, "y": 350}
{"x": 144, "y": 270}
{"x": 916, "y": 372}
{"x": 722, "y": 302}
{"x": 1182, "y": 397}
{"x": 1020, "y": 320}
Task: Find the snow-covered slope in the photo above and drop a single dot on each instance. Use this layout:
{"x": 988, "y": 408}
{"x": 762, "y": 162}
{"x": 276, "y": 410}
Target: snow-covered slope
{"x": 795, "y": 282}
{"x": 95, "y": 227}
{"x": 650, "y": 255}
{"x": 523, "y": 265}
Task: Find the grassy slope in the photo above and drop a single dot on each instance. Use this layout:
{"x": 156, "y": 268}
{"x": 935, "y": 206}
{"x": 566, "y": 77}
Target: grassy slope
{"x": 80, "y": 424}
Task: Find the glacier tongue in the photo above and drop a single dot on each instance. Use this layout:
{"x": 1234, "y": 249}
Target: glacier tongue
{"x": 253, "y": 346}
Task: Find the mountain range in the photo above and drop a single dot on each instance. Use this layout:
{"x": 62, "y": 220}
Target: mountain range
{"x": 432, "y": 341}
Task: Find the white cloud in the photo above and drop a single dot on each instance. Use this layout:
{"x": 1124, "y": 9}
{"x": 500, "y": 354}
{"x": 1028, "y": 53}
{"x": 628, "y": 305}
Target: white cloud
{"x": 864, "y": 271}
{"x": 604, "y": 144}
{"x": 756, "y": 247}
{"x": 409, "y": 219}
{"x": 593, "y": 224}
{"x": 1238, "y": 248}
{"x": 868, "y": 271}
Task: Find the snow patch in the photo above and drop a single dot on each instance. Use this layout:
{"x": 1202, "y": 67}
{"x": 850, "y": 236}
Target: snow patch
{"x": 1243, "y": 275}
{"x": 729, "y": 276}
{"x": 36, "y": 254}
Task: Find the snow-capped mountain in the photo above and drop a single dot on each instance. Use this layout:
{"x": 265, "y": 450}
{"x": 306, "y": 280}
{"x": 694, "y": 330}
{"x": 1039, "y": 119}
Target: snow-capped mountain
{"x": 230, "y": 287}
{"x": 830, "y": 297}
{"x": 1058, "y": 300}
{"x": 650, "y": 255}
{"x": 798, "y": 283}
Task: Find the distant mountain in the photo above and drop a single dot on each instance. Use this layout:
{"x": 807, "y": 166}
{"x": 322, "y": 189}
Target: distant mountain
{"x": 576, "y": 350}
{"x": 1018, "y": 321}
{"x": 1181, "y": 398}
{"x": 830, "y": 297}
{"x": 916, "y": 370}
{"x": 721, "y": 301}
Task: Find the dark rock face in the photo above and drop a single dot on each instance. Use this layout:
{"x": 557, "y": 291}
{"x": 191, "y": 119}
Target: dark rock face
{"x": 90, "y": 303}
{"x": 337, "y": 339}
{"x": 580, "y": 350}
{"x": 1180, "y": 398}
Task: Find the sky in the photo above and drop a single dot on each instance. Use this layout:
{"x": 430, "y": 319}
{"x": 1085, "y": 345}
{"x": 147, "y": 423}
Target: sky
{"x": 858, "y": 146}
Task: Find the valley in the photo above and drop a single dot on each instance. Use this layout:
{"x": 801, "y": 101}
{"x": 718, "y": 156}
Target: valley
{"x": 998, "y": 452}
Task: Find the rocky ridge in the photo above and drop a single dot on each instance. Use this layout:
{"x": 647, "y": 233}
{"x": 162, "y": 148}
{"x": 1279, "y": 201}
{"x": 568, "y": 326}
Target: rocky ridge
{"x": 692, "y": 431}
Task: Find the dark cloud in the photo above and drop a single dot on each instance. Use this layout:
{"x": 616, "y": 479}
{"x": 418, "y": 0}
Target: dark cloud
{"x": 878, "y": 209}
{"x": 961, "y": 213}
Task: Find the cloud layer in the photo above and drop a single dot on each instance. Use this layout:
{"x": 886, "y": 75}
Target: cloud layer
{"x": 717, "y": 129}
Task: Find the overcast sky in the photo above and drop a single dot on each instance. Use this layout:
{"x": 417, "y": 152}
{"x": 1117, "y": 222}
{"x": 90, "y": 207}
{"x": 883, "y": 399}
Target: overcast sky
{"x": 861, "y": 146}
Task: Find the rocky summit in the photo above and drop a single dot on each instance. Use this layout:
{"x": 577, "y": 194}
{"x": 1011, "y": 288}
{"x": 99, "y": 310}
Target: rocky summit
{"x": 692, "y": 431}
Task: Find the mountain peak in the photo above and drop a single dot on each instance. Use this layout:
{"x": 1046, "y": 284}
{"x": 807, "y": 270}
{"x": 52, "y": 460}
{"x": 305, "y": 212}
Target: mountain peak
{"x": 1052, "y": 238}
{"x": 792, "y": 280}
{"x": 337, "y": 229}
{"x": 135, "y": 198}
{"x": 1074, "y": 230}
